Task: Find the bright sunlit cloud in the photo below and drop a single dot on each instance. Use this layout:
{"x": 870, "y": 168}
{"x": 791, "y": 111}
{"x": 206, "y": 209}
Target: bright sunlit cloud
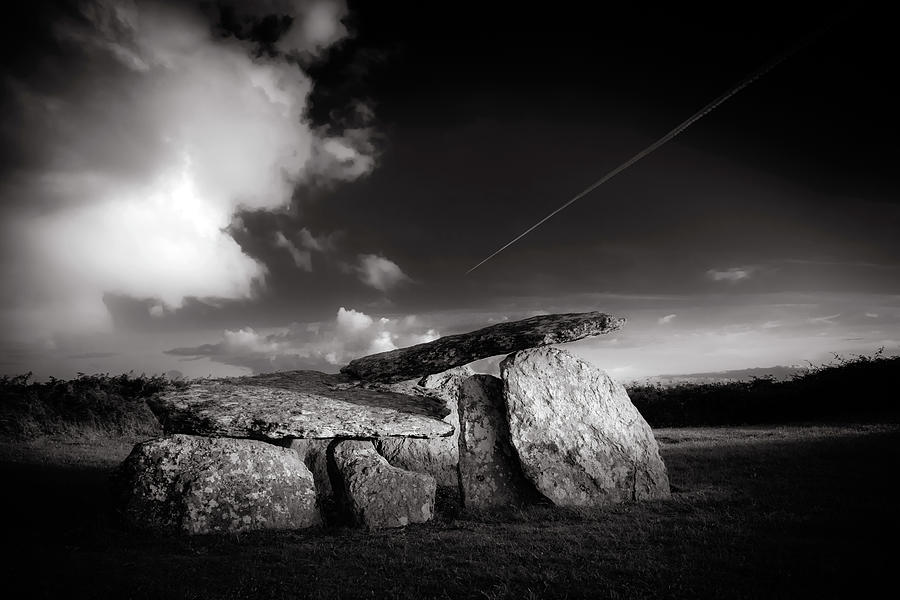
{"x": 149, "y": 152}
{"x": 323, "y": 346}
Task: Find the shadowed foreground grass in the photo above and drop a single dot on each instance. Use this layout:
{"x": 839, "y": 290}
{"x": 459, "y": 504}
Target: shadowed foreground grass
{"x": 757, "y": 512}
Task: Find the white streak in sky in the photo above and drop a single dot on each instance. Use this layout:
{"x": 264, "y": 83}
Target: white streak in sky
{"x": 664, "y": 139}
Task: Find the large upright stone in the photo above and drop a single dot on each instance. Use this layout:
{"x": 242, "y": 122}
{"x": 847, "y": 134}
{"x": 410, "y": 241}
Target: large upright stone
{"x": 379, "y": 495}
{"x": 503, "y": 338}
{"x": 436, "y": 456}
{"x": 298, "y": 404}
{"x": 197, "y": 485}
{"x": 489, "y": 471}
{"x": 579, "y": 438}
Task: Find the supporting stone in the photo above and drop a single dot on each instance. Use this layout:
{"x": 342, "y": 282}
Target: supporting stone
{"x": 379, "y": 495}
{"x": 199, "y": 485}
{"x": 315, "y": 455}
{"x": 579, "y": 438}
{"x": 489, "y": 471}
{"x": 436, "y": 456}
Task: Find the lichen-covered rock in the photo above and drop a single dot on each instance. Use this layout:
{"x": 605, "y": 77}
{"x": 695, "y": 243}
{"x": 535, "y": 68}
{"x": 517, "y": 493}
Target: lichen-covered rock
{"x": 314, "y": 454}
{"x": 379, "y": 495}
{"x": 198, "y": 485}
{"x": 297, "y": 404}
{"x": 436, "y": 456}
{"x": 579, "y": 438}
{"x": 489, "y": 471}
{"x": 455, "y": 350}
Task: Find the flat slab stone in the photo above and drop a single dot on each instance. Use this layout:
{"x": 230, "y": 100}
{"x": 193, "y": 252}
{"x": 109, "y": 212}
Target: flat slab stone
{"x": 455, "y": 350}
{"x": 298, "y": 404}
{"x": 579, "y": 438}
{"x": 198, "y": 485}
{"x": 379, "y": 495}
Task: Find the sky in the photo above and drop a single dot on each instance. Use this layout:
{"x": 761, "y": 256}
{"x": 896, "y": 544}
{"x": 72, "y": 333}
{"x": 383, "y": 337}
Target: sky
{"x": 227, "y": 187}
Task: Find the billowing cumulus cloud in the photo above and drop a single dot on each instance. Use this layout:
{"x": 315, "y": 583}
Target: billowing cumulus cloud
{"x": 316, "y": 24}
{"x": 321, "y": 346}
{"x": 379, "y": 272}
{"x": 141, "y": 141}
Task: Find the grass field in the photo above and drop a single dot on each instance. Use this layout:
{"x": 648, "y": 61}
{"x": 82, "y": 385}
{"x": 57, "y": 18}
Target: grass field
{"x": 779, "y": 511}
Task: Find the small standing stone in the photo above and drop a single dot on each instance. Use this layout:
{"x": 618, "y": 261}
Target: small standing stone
{"x": 489, "y": 471}
{"x": 379, "y": 495}
{"x": 314, "y": 453}
{"x": 197, "y": 485}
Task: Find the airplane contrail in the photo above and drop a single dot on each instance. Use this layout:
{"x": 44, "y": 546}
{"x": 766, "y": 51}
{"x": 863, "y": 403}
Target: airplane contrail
{"x": 669, "y": 136}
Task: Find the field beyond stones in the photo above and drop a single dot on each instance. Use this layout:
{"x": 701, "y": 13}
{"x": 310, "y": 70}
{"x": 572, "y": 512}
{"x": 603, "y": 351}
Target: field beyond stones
{"x": 762, "y": 511}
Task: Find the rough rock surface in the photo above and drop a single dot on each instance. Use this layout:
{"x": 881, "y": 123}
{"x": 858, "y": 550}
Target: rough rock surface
{"x": 579, "y": 438}
{"x": 200, "y": 485}
{"x": 379, "y": 495}
{"x": 297, "y": 404}
{"x": 436, "y": 456}
{"x": 489, "y": 471}
{"x": 314, "y": 454}
{"x": 503, "y": 338}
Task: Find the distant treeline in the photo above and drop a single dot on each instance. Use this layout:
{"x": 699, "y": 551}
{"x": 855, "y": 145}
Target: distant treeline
{"x": 861, "y": 388}
{"x": 86, "y": 405}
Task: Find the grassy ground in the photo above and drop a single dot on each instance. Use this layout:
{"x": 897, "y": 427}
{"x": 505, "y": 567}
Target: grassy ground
{"x": 757, "y": 512}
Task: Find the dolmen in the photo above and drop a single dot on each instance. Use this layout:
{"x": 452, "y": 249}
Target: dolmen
{"x": 276, "y": 433}
{"x": 371, "y": 445}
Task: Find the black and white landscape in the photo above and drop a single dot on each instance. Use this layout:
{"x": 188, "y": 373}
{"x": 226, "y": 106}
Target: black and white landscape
{"x": 337, "y": 299}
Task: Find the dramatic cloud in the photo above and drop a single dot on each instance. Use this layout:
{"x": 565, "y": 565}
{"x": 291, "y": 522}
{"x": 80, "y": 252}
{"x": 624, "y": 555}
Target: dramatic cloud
{"x": 347, "y": 157}
{"x": 316, "y": 23}
{"x": 321, "y": 346}
{"x": 732, "y": 275}
{"x": 302, "y": 258}
{"x": 379, "y": 272}
{"x": 143, "y": 139}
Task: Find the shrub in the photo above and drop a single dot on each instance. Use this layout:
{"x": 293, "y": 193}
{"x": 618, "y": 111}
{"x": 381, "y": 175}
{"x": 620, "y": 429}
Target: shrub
{"x": 845, "y": 389}
{"x": 92, "y": 404}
